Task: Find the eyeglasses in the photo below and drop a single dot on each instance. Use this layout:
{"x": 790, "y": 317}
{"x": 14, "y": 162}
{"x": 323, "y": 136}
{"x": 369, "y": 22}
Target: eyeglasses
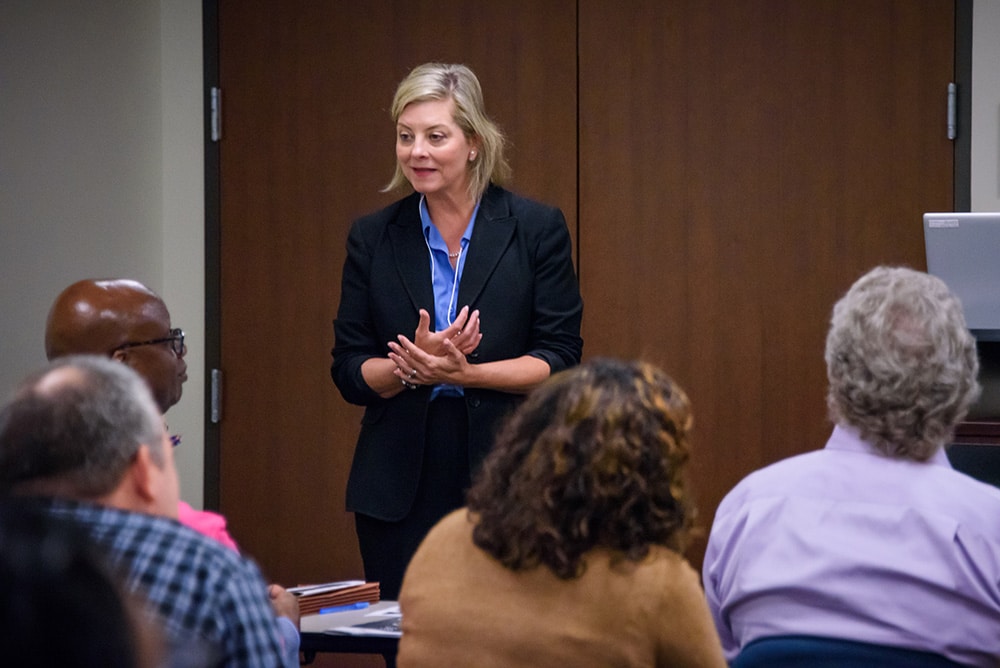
{"x": 176, "y": 340}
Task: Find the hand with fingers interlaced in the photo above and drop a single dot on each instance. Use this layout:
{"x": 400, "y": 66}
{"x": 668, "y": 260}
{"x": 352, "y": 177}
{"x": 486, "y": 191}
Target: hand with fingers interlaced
{"x": 463, "y": 333}
{"x": 415, "y": 366}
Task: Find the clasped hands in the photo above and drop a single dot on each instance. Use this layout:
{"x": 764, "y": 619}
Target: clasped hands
{"x": 436, "y": 357}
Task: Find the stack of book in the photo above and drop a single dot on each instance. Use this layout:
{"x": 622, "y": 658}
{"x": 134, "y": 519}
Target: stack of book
{"x": 331, "y": 596}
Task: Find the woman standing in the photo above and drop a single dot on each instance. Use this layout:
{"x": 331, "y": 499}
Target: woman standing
{"x": 455, "y": 301}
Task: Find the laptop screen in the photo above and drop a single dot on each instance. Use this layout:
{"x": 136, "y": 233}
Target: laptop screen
{"x": 963, "y": 250}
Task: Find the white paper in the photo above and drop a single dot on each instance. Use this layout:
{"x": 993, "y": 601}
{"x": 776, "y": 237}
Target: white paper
{"x": 388, "y": 611}
{"x": 310, "y": 590}
{"x": 385, "y": 628}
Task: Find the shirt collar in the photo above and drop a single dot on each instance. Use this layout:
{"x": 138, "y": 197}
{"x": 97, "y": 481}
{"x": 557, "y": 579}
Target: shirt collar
{"x": 425, "y": 221}
{"x": 847, "y": 439}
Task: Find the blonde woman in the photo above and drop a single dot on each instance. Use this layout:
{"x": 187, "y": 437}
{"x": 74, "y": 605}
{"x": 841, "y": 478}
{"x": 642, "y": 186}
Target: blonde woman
{"x": 455, "y": 301}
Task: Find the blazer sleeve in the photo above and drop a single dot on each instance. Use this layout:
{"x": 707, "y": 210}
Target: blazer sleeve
{"x": 555, "y": 328}
{"x": 355, "y": 338}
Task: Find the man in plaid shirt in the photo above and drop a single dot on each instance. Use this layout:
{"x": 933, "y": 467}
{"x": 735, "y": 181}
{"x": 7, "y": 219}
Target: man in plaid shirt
{"x": 85, "y": 438}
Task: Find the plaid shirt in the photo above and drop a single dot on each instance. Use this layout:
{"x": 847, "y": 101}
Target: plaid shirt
{"x": 213, "y": 603}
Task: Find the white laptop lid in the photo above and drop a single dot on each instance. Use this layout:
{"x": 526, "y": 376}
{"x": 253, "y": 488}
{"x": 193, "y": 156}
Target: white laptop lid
{"x": 963, "y": 249}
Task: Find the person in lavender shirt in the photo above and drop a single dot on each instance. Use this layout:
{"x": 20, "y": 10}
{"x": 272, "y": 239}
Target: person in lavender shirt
{"x": 875, "y": 538}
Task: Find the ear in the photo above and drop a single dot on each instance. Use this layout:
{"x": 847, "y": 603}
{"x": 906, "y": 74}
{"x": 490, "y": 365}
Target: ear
{"x": 143, "y": 475}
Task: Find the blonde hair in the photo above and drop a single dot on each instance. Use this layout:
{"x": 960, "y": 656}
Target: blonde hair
{"x": 440, "y": 81}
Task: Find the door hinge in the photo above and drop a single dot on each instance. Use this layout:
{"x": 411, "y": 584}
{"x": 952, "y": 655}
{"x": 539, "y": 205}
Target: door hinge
{"x": 216, "y": 119}
{"x": 952, "y": 110}
{"x": 215, "y": 411}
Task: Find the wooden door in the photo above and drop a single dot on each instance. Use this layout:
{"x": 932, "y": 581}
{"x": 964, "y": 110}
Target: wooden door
{"x": 731, "y": 165}
{"x": 741, "y": 164}
{"x": 307, "y": 144}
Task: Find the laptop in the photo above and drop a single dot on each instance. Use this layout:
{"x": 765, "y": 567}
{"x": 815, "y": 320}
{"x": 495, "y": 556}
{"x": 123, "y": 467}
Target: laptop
{"x": 963, "y": 250}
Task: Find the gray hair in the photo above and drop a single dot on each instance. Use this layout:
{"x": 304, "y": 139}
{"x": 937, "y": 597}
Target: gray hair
{"x": 77, "y": 423}
{"x": 901, "y": 363}
{"x": 439, "y": 81}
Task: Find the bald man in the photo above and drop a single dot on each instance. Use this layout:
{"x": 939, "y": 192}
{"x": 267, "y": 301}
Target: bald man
{"x": 126, "y": 321}
{"x": 85, "y": 442}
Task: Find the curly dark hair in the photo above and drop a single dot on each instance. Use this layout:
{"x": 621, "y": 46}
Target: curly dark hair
{"x": 594, "y": 457}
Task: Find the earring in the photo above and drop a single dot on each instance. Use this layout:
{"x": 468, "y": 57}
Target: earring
{"x": 472, "y": 154}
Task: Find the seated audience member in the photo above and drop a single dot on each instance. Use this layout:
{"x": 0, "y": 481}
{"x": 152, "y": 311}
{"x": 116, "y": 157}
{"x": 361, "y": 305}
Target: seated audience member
{"x": 126, "y": 321}
{"x": 875, "y": 538}
{"x": 84, "y": 439}
{"x": 59, "y": 604}
{"x": 569, "y": 552}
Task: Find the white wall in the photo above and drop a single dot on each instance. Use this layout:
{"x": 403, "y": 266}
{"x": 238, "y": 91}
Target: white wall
{"x": 183, "y": 259}
{"x": 101, "y": 167}
{"x": 985, "y": 105}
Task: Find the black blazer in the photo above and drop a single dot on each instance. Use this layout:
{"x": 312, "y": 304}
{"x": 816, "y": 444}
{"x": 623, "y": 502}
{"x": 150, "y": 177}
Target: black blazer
{"x": 518, "y": 272}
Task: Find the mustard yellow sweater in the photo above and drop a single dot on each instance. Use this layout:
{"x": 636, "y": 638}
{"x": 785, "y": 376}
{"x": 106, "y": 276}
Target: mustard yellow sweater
{"x": 461, "y": 607}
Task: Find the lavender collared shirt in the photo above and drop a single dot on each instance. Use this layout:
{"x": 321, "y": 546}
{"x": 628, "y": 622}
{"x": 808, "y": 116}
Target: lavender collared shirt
{"x": 847, "y": 543}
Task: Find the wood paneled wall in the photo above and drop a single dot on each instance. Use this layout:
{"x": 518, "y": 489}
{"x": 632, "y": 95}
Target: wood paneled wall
{"x": 741, "y": 163}
{"x": 728, "y": 169}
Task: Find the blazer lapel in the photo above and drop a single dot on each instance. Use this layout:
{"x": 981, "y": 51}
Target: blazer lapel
{"x": 410, "y": 253}
{"x": 493, "y": 231}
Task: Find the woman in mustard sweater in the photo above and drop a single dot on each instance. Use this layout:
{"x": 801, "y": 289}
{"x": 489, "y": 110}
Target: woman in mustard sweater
{"x": 569, "y": 552}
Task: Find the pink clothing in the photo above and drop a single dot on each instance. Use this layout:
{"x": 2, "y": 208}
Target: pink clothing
{"x": 208, "y": 523}
{"x": 213, "y": 525}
